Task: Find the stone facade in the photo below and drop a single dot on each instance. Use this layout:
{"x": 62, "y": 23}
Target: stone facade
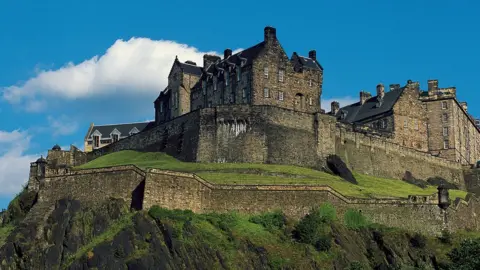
{"x": 173, "y": 190}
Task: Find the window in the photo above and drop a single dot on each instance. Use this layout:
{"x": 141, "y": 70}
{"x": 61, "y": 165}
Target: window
{"x": 310, "y": 82}
{"x": 445, "y": 131}
{"x": 445, "y": 144}
{"x": 244, "y": 92}
{"x": 280, "y": 95}
{"x": 209, "y": 104}
{"x": 310, "y": 101}
{"x": 281, "y": 74}
{"x": 215, "y": 83}
{"x": 115, "y": 137}
{"x": 204, "y": 87}
{"x": 445, "y": 117}
{"x": 405, "y": 123}
{"x": 227, "y": 78}
{"x": 161, "y": 106}
{"x": 176, "y": 100}
{"x": 96, "y": 141}
{"x": 265, "y": 72}
{"x": 383, "y": 123}
{"x": 266, "y": 92}
{"x": 239, "y": 70}
{"x": 444, "y": 105}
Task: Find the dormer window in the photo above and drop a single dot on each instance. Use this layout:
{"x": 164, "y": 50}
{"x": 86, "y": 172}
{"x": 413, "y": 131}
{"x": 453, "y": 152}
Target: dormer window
{"x": 115, "y": 137}
{"x": 133, "y": 131}
{"x": 96, "y": 141}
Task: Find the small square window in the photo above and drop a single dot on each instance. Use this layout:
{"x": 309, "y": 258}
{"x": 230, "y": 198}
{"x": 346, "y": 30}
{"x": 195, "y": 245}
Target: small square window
{"x": 445, "y": 117}
{"x": 445, "y": 131}
{"x": 444, "y": 105}
{"x": 446, "y": 144}
{"x": 310, "y": 101}
{"x": 266, "y": 92}
{"x": 244, "y": 92}
{"x": 280, "y": 95}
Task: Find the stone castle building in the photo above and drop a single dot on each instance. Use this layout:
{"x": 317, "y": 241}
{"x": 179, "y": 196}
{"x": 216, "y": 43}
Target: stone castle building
{"x": 260, "y": 75}
{"x": 431, "y": 121}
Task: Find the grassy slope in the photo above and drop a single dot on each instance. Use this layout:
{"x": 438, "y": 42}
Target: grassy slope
{"x": 244, "y": 173}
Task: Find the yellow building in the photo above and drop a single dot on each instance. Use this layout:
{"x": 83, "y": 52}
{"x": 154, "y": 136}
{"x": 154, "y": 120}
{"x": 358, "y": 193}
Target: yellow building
{"x": 99, "y": 136}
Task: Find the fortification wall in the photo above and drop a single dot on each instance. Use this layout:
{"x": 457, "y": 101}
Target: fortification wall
{"x": 419, "y": 213}
{"x": 378, "y": 156}
{"x": 177, "y": 137}
{"x": 95, "y": 185}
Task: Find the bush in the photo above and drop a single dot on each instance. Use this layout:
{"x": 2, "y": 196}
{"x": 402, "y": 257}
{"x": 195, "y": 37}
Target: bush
{"x": 355, "y": 220}
{"x": 159, "y": 213}
{"x": 224, "y": 221}
{"x": 446, "y": 237}
{"x": 418, "y": 241}
{"x": 356, "y": 266}
{"x": 466, "y": 255}
{"x": 271, "y": 221}
{"x": 311, "y": 229}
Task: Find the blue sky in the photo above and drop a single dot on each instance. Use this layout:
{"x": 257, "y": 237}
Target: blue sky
{"x": 64, "y": 65}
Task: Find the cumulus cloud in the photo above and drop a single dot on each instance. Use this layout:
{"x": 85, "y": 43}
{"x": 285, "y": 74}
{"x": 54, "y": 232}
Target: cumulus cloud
{"x": 14, "y": 163}
{"x": 137, "y": 66}
{"x": 344, "y": 101}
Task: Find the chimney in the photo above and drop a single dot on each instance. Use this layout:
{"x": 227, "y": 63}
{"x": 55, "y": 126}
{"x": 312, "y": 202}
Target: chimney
{"x": 312, "y": 55}
{"x": 227, "y": 53}
{"x": 464, "y": 105}
{"x": 209, "y": 59}
{"x": 394, "y": 87}
{"x": 432, "y": 85}
{"x": 191, "y": 63}
{"x": 269, "y": 34}
{"x": 364, "y": 96}
{"x": 335, "y": 107}
{"x": 380, "y": 91}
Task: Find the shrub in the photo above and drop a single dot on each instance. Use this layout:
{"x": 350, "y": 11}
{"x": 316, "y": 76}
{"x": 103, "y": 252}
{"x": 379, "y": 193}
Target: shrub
{"x": 162, "y": 213}
{"x": 446, "y": 237}
{"x": 355, "y": 220}
{"x": 355, "y": 266}
{"x": 324, "y": 243}
{"x": 271, "y": 221}
{"x": 327, "y": 212}
{"x": 466, "y": 255}
{"x": 311, "y": 229}
{"x": 224, "y": 221}
{"x": 418, "y": 241}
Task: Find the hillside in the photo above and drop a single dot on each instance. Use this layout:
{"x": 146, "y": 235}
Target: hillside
{"x": 109, "y": 236}
{"x": 243, "y": 173}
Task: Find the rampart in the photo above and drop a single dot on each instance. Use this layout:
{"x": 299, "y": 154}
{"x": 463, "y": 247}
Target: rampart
{"x": 268, "y": 134}
{"x": 176, "y": 190}
{"x": 377, "y": 155}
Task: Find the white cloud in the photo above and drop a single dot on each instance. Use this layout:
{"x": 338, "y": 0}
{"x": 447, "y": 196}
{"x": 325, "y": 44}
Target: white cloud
{"x": 14, "y": 163}
{"x": 61, "y": 126}
{"x": 344, "y": 101}
{"x": 138, "y": 66}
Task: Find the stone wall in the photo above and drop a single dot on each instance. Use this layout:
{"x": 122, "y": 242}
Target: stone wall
{"x": 378, "y": 156}
{"x": 95, "y": 185}
{"x": 418, "y": 213}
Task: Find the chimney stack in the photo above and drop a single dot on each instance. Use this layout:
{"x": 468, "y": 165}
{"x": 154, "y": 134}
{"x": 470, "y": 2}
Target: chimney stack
{"x": 227, "y": 53}
{"x": 364, "y": 96}
{"x": 209, "y": 59}
{"x": 312, "y": 55}
{"x": 269, "y": 34}
{"x": 380, "y": 91}
{"x": 335, "y": 107}
{"x": 432, "y": 85}
{"x": 394, "y": 87}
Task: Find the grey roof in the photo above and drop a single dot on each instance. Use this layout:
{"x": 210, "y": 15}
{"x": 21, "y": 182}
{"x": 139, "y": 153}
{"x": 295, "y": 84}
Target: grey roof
{"x": 372, "y": 107}
{"x": 309, "y": 63}
{"x": 124, "y": 129}
{"x": 191, "y": 69}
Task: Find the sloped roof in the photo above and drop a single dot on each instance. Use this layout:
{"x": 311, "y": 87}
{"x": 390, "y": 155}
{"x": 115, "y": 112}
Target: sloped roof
{"x": 191, "y": 69}
{"x": 247, "y": 55}
{"x": 372, "y": 107}
{"x": 124, "y": 129}
{"x": 309, "y": 63}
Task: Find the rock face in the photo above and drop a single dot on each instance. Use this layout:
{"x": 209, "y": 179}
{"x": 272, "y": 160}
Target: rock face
{"x": 338, "y": 167}
{"x": 71, "y": 236}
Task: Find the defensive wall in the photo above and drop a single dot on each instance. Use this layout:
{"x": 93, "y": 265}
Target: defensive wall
{"x": 174, "y": 190}
{"x": 268, "y": 134}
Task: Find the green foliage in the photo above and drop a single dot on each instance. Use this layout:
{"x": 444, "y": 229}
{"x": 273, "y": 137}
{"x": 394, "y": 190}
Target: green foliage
{"x": 161, "y": 213}
{"x": 271, "y": 221}
{"x": 269, "y": 174}
{"x": 355, "y": 220}
{"x": 224, "y": 221}
{"x": 4, "y": 233}
{"x": 327, "y": 213}
{"x": 446, "y": 237}
{"x": 313, "y": 228}
{"x": 466, "y": 257}
{"x": 356, "y": 266}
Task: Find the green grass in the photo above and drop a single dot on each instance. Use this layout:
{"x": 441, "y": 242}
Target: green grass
{"x": 267, "y": 174}
{"x": 4, "y": 233}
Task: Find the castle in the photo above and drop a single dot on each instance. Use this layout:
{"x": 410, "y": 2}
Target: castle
{"x": 260, "y": 106}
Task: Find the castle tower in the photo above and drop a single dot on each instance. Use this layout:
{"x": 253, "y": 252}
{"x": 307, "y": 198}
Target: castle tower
{"x": 37, "y": 173}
